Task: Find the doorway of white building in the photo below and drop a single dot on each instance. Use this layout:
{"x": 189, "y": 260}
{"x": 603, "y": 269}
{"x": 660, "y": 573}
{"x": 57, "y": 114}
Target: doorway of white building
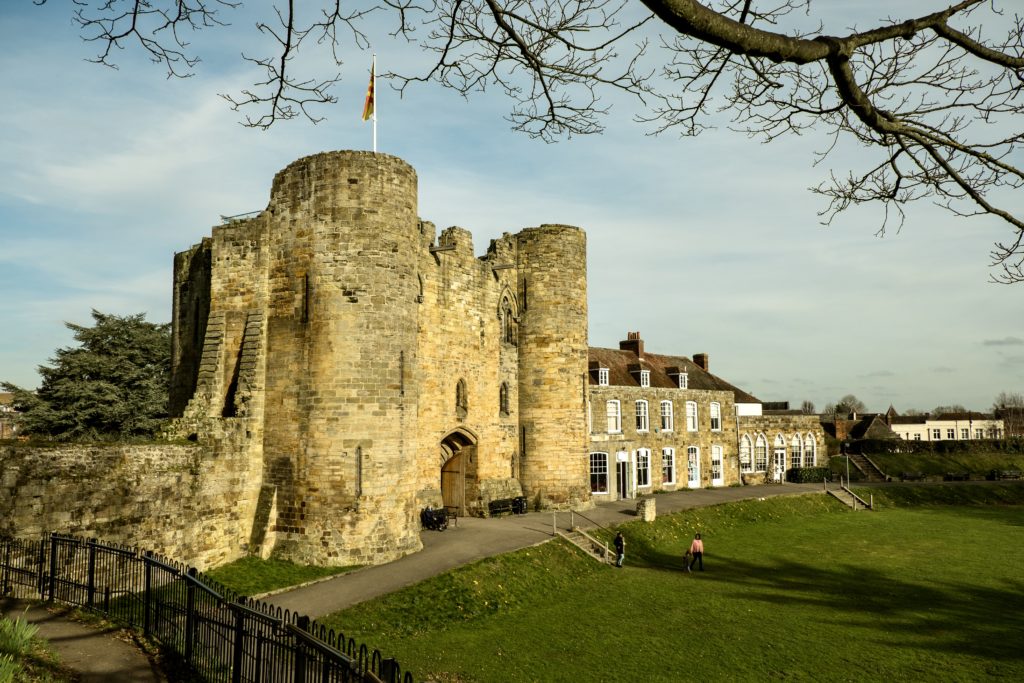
{"x": 622, "y": 475}
{"x": 693, "y": 467}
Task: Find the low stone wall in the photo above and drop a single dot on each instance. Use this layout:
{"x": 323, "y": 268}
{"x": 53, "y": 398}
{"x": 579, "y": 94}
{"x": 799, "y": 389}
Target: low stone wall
{"x": 186, "y": 502}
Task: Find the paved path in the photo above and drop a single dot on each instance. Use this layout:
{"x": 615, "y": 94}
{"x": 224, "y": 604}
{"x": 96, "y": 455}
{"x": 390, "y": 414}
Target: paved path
{"x": 100, "y": 655}
{"x": 476, "y": 538}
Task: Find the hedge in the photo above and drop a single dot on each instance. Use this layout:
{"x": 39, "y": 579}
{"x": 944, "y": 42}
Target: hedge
{"x": 807, "y": 475}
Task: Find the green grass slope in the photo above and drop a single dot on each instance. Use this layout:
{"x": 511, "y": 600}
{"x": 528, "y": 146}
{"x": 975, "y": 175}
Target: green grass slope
{"x": 795, "y": 589}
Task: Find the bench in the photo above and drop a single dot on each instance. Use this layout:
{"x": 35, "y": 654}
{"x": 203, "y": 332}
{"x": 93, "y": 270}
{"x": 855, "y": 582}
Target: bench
{"x": 1004, "y": 474}
{"x": 958, "y": 476}
{"x": 453, "y": 513}
{"x": 500, "y": 506}
{"x": 911, "y": 476}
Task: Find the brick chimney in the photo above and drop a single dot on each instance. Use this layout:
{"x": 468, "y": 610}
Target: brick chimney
{"x": 633, "y": 343}
{"x": 701, "y": 360}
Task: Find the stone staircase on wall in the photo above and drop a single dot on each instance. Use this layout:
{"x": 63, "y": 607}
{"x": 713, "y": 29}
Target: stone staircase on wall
{"x": 868, "y": 468}
{"x": 590, "y": 545}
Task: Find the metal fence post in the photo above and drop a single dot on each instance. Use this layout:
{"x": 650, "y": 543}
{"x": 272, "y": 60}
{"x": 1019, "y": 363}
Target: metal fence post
{"x": 300, "y": 652}
{"x": 53, "y": 566}
{"x": 147, "y": 592}
{"x": 190, "y": 614}
{"x": 236, "y": 659}
{"x": 40, "y": 572}
{"x": 90, "y": 585}
{"x": 4, "y": 587}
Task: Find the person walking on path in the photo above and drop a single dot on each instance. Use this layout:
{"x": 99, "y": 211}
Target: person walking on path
{"x": 697, "y": 550}
{"x": 620, "y": 549}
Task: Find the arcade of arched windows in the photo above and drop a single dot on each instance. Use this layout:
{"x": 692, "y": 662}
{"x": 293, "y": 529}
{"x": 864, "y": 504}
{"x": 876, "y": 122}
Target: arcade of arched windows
{"x": 800, "y": 450}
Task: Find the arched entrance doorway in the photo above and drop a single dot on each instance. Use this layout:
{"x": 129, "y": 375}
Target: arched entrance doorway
{"x": 458, "y": 469}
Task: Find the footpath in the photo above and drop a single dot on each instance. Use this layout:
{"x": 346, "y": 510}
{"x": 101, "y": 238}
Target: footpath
{"x": 474, "y": 539}
{"x": 108, "y": 655}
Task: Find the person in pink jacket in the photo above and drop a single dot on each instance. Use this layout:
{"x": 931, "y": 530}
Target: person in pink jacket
{"x": 697, "y": 550}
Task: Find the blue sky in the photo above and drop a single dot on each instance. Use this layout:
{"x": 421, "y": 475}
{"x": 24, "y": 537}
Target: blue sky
{"x": 703, "y": 245}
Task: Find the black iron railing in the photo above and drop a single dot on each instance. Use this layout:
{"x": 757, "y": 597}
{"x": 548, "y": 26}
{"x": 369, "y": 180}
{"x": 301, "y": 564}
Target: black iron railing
{"x": 224, "y": 637}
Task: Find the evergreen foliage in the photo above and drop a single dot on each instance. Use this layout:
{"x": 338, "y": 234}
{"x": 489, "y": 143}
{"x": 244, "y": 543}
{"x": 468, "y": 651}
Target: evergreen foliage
{"x": 113, "y": 385}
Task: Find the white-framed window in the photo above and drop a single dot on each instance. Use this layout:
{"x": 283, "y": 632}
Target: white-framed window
{"x": 796, "y": 458}
{"x": 936, "y": 434}
{"x": 965, "y": 433}
{"x": 810, "y": 447}
{"x": 717, "y": 475}
{"x": 746, "y": 454}
{"x": 667, "y": 417}
{"x": 779, "y": 449}
{"x": 642, "y": 420}
{"x": 917, "y": 436}
{"x": 950, "y": 433}
{"x": 602, "y": 377}
{"x": 645, "y": 378}
{"x": 691, "y": 416}
{"x": 599, "y": 473}
{"x": 761, "y": 454}
{"x": 668, "y": 465}
{"x": 684, "y": 380}
{"x": 643, "y": 467}
{"x": 614, "y": 417}
{"x": 979, "y": 433}
{"x": 716, "y": 417}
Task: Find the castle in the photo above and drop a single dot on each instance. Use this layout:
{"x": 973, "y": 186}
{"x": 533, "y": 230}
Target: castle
{"x": 368, "y": 367}
{"x": 376, "y": 367}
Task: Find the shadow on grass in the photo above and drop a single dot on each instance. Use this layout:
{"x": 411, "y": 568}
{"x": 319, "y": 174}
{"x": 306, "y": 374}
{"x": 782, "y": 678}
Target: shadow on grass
{"x": 943, "y": 616}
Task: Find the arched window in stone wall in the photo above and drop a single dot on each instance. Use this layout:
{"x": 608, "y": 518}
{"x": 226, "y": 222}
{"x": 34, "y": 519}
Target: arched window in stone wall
{"x": 761, "y": 454}
{"x": 746, "y": 449}
{"x": 810, "y": 448}
{"x": 461, "y": 399}
{"x": 778, "y": 455}
{"x": 795, "y": 452}
{"x": 503, "y": 399}
{"x": 507, "y": 315}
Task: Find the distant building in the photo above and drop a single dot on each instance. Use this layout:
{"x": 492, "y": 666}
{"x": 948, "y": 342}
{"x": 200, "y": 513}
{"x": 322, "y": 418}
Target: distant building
{"x": 946, "y": 427}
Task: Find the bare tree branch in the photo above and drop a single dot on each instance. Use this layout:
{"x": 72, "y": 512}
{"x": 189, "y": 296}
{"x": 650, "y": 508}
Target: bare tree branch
{"x": 939, "y": 97}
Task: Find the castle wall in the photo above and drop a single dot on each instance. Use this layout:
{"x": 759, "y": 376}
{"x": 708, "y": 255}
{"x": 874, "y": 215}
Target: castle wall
{"x": 194, "y": 503}
{"x": 461, "y": 338}
{"x": 552, "y": 288}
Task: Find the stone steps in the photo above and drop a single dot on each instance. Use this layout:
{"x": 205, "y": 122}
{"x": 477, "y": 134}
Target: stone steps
{"x": 590, "y": 545}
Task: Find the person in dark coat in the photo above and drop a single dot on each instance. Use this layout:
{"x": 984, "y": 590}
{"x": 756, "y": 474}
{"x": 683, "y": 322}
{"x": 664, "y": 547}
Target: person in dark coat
{"x": 620, "y": 549}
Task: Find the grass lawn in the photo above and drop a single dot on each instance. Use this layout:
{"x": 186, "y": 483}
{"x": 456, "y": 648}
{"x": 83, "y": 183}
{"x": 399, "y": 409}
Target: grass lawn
{"x": 978, "y": 465}
{"x": 796, "y": 588}
{"x": 253, "y": 576}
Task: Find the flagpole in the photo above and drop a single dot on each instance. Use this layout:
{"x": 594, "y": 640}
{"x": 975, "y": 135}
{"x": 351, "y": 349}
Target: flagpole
{"x": 373, "y": 76}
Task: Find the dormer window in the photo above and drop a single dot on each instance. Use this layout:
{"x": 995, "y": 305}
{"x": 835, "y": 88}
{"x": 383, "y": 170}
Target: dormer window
{"x": 645, "y": 378}
{"x": 602, "y": 377}
{"x": 684, "y": 380}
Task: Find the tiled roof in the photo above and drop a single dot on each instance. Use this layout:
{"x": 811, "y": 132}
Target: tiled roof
{"x": 969, "y": 415}
{"x": 619, "y": 362}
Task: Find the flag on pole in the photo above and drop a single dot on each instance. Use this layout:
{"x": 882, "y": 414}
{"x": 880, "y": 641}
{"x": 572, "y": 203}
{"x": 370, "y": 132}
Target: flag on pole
{"x": 368, "y": 106}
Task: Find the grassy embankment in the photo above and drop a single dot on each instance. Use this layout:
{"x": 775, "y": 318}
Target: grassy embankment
{"x": 937, "y": 465}
{"x": 253, "y": 576}
{"x": 795, "y": 588}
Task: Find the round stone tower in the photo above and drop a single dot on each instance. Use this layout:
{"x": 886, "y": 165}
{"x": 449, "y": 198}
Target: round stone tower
{"x": 552, "y": 267}
{"x": 340, "y": 415}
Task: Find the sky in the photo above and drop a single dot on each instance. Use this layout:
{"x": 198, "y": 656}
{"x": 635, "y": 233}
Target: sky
{"x": 704, "y": 245}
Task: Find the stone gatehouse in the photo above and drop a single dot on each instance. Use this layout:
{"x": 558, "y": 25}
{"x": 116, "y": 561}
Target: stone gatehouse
{"x": 378, "y": 367}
